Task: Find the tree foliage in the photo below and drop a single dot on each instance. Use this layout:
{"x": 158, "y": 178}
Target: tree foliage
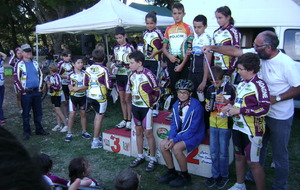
{"x": 18, "y": 19}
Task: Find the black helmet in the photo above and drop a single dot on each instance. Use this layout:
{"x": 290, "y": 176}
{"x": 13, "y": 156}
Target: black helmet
{"x": 184, "y": 84}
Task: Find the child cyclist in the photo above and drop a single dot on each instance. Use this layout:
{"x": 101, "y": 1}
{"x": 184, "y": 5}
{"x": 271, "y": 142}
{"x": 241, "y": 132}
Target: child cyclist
{"x": 219, "y": 94}
{"x": 145, "y": 91}
{"x": 55, "y": 89}
{"x": 225, "y": 35}
{"x": 152, "y": 48}
{"x": 198, "y": 72}
{"x": 175, "y": 43}
{"x": 64, "y": 69}
{"x": 97, "y": 80}
{"x": 121, "y": 66}
{"x": 251, "y": 104}
{"x": 77, "y": 99}
{"x": 186, "y": 133}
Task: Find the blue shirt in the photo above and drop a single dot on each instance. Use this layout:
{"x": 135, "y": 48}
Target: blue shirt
{"x": 32, "y": 79}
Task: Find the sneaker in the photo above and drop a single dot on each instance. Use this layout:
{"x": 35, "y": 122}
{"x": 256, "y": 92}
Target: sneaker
{"x": 169, "y": 117}
{"x": 169, "y": 176}
{"x": 155, "y": 113}
{"x": 64, "y": 129}
{"x": 68, "y": 137}
{"x": 222, "y": 182}
{"x": 238, "y": 186}
{"x": 57, "y": 128}
{"x": 211, "y": 182}
{"x": 86, "y": 135}
{"x": 137, "y": 162}
{"x": 128, "y": 126}
{"x": 100, "y": 138}
{"x": 96, "y": 144}
{"x": 151, "y": 166}
{"x": 181, "y": 181}
{"x": 122, "y": 124}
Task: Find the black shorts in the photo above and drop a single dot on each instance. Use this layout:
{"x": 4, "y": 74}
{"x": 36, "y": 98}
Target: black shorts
{"x": 56, "y": 101}
{"x": 151, "y": 65}
{"x": 76, "y": 103}
{"x": 66, "y": 91}
{"x": 142, "y": 117}
{"x": 122, "y": 81}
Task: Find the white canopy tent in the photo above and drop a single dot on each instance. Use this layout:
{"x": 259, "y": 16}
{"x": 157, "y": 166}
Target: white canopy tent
{"x": 101, "y": 18}
{"x": 104, "y": 15}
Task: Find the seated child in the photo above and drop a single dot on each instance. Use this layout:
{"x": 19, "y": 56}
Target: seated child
{"x": 80, "y": 168}
{"x": 45, "y": 163}
{"x": 127, "y": 179}
{"x": 187, "y": 132}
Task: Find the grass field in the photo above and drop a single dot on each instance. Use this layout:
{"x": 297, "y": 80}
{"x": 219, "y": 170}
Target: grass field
{"x": 106, "y": 165}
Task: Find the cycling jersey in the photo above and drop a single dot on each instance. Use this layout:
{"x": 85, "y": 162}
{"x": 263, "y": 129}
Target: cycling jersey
{"x": 144, "y": 88}
{"x": 121, "y": 54}
{"x": 177, "y": 37}
{"x": 152, "y": 42}
{"x": 198, "y": 58}
{"x": 228, "y": 91}
{"x": 76, "y": 80}
{"x": 224, "y": 37}
{"x": 55, "y": 88}
{"x": 98, "y": 81}
{"x": 64, "y": 69}
{"x": 253, "y": 99}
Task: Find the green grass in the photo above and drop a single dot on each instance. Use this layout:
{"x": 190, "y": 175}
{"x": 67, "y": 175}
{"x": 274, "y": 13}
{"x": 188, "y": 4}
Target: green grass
{"x": 106, "y": 165}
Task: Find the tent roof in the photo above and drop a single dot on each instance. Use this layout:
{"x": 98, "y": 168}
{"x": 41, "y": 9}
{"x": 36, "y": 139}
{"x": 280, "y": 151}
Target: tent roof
{"x": 258, "y": 13}
{"x": 102, "y": 17}
{"x": 163, "y": 11}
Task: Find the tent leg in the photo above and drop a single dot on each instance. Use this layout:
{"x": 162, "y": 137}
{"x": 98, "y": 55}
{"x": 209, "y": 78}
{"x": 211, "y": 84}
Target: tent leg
{"x": 37, "y": 47}
{"x": 106, "y": 44}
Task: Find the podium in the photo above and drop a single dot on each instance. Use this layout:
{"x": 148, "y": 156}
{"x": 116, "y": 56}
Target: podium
{"x": 124, "y": 142}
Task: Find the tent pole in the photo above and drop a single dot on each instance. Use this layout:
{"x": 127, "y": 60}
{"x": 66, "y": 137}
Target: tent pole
{"x": 106, "y": 44}
{"x": 37, "y": 47}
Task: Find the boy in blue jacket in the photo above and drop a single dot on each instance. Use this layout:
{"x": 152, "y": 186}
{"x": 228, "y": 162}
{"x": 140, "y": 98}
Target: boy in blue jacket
{"x": 187, "y": 132}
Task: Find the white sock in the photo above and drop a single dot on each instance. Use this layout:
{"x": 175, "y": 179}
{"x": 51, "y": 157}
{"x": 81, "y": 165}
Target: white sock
{"x": 153, "y": 158}
{"x": 95, "y": 139}
{"x": 141, "y": 156}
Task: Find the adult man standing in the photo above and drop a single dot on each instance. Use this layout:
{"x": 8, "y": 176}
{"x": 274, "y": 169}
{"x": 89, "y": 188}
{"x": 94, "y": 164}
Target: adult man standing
{"x": 281, "y": 74}
{"x": 28, "y": 80}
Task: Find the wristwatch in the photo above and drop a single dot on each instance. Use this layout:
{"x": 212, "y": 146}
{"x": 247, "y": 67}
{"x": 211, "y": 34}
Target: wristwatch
{"x": 278, "y": 98}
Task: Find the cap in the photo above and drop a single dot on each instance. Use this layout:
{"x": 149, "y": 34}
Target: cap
{"x": 26, "y": 48}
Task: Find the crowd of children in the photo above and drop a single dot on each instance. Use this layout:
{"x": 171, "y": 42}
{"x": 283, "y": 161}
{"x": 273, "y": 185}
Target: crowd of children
{"x": 170, "y": 65}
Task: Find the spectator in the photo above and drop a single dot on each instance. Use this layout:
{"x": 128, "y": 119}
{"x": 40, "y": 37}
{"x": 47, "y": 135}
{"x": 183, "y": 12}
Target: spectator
{"x": 127, "y": 179}
{"x": 14, "y": 59}
{"x": 28, "y": 79}
{"x": 81, "y": 168}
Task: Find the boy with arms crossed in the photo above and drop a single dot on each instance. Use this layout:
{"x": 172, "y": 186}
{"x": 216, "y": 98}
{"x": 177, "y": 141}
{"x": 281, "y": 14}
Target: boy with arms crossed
{"x": 77, "y": 99}
{"x": 145, "y": 91}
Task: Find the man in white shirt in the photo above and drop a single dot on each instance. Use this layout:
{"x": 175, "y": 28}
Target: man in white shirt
{"x": 281, "y": 74}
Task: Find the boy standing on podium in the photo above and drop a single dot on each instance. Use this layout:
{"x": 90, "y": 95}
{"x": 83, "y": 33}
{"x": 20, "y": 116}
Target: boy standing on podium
{"x": 145, "y": 92}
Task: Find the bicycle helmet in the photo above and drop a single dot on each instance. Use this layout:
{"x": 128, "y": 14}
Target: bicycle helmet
{"x": 184, "y": 84}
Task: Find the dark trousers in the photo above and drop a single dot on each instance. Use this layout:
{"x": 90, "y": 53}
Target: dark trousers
{"x": 175, "y": 76}
{"x": 28, "y": 101}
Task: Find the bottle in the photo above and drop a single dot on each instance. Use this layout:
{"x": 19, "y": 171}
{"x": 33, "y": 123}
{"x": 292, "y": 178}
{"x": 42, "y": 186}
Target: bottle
{"x": 212, "y": 101}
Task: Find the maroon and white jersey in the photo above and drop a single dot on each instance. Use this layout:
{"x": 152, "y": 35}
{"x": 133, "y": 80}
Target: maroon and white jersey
{"x": 152, "y": 42}
{"x": 144, "y": 88}
{"x": 64, "y": 69}
{"x": 253, "y": 99}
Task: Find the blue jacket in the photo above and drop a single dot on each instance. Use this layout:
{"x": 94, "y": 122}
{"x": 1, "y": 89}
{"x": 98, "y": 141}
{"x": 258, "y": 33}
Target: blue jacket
{"x": 193, "y": 127}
